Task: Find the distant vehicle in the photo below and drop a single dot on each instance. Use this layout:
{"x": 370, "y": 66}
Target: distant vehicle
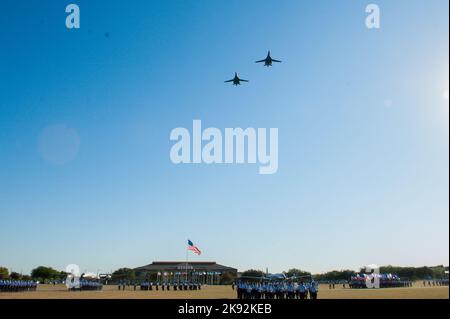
{"x": 236, "y": 81}
{"x": 268, "y": 60}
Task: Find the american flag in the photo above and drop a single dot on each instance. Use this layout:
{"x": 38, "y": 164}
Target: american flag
{"x": 193, "y": 248}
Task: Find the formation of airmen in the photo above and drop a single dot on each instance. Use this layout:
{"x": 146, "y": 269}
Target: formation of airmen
{"x": 86, "y": 285}
{"x": 167, "y": 286}
{"x": 17, "y": 285}
{"x": 90, "y": 285}
{"x": 277, "y": 290}
{"x": 359, "y": 284}
{"x": 150, "y": 286}
{"x": 436, "y": 283}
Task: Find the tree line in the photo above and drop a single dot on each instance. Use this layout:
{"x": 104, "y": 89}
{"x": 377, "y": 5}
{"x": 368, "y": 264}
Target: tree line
{"x": 45, "y": 274}
{"x": 41, "y": 274}
{"x": 410, "y": 273}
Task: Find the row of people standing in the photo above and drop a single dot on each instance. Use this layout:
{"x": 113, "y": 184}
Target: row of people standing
{"x": 17, "y": 285}
{"x": 150, "y": 286}
{"x": 90, "y": 285}
{"x": 436, "y": 283}
{"x": 361, "y": 284}
{"x": 168, "y": 286}
{"x": 85, "y": 285}
{"x": 277, "y": 290}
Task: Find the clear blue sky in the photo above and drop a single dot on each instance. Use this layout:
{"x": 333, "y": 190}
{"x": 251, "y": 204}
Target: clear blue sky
{"x": 85, "y": 117}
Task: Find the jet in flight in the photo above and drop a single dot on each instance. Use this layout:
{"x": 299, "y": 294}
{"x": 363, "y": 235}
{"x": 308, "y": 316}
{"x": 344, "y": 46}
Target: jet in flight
{"x": 236, "y": 80}
{"x": 268, "y": 61}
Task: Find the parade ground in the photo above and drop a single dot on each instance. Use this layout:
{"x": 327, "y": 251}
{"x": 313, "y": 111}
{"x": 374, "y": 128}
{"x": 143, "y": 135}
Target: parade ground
{"x": 226, "y": 292}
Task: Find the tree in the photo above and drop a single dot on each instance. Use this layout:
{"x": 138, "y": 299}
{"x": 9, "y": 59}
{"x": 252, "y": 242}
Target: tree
{"x": 26, "y": 277}
{"x": 15, "y": 276}
{"x": 123, "y": 274}
{"x": 412, "y": 273}
{"x": 4, "y": 273}
{"x": 335, "y": 275}
{"x": 439, "y": 272}
{"x": 43, "y": 273}
{"x": 227, "y": 278}
{"x": 296, "y": 273}
{"x": 252, "y": 274}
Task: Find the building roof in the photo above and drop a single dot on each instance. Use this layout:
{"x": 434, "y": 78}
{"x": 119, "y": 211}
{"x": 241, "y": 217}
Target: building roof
{"x": 181, "y": 265}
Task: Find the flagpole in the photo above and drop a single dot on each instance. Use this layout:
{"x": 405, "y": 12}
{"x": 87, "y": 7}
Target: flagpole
{"x": 187, "y": 256}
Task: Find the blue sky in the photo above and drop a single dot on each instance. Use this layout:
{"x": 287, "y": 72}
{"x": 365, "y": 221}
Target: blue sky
{"x": 85, "y": 118}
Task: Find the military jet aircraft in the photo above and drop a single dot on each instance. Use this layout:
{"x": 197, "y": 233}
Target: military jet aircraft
{"x": 236, "y": 80}
{"x": 268, "y": 60}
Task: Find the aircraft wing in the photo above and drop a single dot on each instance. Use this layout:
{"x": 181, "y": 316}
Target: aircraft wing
{"x": 229, "y": 81}
{"x": 276, "y": 61}
{"x": 261, "y": 61}
{"x": 243, "y": 80}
